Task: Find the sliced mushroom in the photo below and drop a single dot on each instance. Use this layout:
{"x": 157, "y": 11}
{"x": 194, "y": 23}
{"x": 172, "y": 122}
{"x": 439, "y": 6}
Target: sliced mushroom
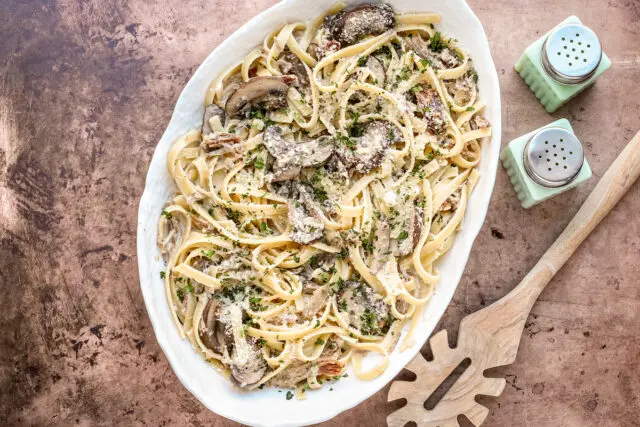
{"x": 349, "y": 26}
{"x": 212, "y": 332}
{"x": 441, "y": 58}
{"x": 251, "y": 371}
{"x": 221, "y": 330}
{"x": 174, "y": 228}
{"x": 377, "y": 68}
{"x": 365, "y": 153}
{"x": 247, "y": 364}
{"x": 296, "y": 372}
{"x": 314, "y": 301}
{"x": 267, "y": 92}
{"x": 407, "y": 225}
{"x": 299, "y": 371}
{"x": 291, "y": 156}
{"x": 289, "y": 63}
{"x": 305, "y": 217}
{"x": 431, "y": 107}
{"x": 365, "y": 309}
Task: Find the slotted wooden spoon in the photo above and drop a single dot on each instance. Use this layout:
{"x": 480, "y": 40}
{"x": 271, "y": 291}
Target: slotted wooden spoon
{"x": 490, "y": 337}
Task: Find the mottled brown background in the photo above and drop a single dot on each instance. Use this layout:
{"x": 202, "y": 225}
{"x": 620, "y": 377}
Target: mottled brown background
{"x": 86, "y": 89}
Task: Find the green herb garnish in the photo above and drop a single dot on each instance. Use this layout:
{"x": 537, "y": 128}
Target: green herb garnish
{"x": 258, "y": 163}
{"x": 437, "y": 43}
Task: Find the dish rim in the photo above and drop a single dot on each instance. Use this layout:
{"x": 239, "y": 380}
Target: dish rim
{"x": 145, "y": 266}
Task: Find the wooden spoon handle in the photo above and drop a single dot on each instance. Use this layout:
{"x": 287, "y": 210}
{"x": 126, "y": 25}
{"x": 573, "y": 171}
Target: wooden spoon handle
{"x": 612, "y": 186}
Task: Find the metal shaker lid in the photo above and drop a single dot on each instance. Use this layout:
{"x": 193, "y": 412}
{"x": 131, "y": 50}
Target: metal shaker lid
{"x": 553, "y": 157}
{"x": 571, "y": 53}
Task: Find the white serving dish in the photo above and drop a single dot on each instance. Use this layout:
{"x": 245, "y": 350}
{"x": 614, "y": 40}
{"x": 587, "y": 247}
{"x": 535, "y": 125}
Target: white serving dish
{"x": 269, "y": 407}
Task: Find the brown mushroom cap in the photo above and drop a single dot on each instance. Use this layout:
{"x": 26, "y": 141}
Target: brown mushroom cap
{"x": 370, "y": 148}
{"x": 289, "y": 63}
{"x": 249, "y": 373}
{"x": 349, "y": 26}
{"x": 212, "y": 332}
{"x": 246, "y": 363}
{"x": 292, "y": 156}
{"x": 269, "y": 92}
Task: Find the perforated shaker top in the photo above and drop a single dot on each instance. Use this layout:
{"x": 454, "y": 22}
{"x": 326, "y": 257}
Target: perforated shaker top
{"x": 571, "y": 54}
{"x": 553, "y": 157}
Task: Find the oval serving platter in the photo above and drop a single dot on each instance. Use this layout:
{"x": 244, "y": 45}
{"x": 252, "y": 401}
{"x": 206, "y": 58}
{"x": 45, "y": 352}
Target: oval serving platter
{"x": 269, "y": 407}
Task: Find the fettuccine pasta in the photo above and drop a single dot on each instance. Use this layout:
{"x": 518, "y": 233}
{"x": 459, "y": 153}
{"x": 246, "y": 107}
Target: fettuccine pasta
{"x": 331, "y": 172}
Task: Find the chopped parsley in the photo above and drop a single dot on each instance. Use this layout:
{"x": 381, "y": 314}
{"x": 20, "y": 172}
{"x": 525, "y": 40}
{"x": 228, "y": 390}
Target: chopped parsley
{"x": 470, "y": 108}
{"x": 261, "y": 114}
{"x": 437, "y": 43}
{"x": 369, "y": 321}
{"x": 254, "y": 303}
{"x": 233, "y": 215}
{"x": 189, "y": 287}
{"x": 313, "y": 262}
{"x": 163, "y": 274}
{"x": 344, "y": 252}
{"x": 416, "y": 88}
{"x": 338, "y": 285}
{"x": 208, "y": 253}
{"x": 264, "y": 228}
{"x": 403, "y": 235}
{"x": 258, "y": 163}
{"x": 289, "y": 395}
{"x": 356, "y": 129}
{"x": 166, "y": 214}
{"x": 405, "y": 73}
{"x": 362, "y": 60}
{"x": 320, "y": 194}
{"x": 346, "y": 141}
{"x": 319, "y": 341}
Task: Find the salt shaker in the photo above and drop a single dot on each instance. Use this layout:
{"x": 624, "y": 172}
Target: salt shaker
{"x": 562, "y": 63}
{"x": 545, "y": 163}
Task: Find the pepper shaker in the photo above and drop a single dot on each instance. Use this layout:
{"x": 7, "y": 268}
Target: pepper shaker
{"x": 562, "y": 63}
{"x": 545, "y": 163}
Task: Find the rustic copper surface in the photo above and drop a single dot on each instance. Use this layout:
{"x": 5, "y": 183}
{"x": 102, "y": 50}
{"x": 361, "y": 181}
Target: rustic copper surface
{"x": 86, "y": 90}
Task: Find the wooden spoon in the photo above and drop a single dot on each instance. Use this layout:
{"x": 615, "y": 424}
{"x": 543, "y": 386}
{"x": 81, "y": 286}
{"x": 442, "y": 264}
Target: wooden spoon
{"x": 490, "y": 337}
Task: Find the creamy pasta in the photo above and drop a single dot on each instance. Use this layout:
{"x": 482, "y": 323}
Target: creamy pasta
{"x": 332, "y": 170}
